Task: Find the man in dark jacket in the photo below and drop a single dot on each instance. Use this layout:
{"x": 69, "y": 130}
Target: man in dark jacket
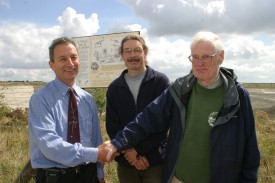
{"x": 127, "y": 96}
{"x": 211, "y": 125}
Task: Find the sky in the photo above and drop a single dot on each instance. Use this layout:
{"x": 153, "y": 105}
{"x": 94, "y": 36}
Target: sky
{"x": 246, "y": 27}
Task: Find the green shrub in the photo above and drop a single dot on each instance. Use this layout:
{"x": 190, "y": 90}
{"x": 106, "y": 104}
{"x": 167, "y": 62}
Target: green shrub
{"x": 99, "y": 95}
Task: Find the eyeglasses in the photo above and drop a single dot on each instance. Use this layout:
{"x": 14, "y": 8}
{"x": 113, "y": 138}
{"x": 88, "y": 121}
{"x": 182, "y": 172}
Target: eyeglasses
{"x": 129, "y": 51}
{"x": 204, "y": 58}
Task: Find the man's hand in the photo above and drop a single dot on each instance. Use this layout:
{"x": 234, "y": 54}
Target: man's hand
{"x": 131, "y": 156}
{"x": 106, "y": 152}
{"x": 140, "y": 162}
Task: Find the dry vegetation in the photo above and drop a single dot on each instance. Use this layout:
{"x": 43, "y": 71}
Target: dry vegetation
{"x": 14, "y": 146}
{"x": 266, "y": 139}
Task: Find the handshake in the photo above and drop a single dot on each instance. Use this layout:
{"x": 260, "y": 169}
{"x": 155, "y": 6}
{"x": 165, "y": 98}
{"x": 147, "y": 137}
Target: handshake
{"x": 106, "y": 152}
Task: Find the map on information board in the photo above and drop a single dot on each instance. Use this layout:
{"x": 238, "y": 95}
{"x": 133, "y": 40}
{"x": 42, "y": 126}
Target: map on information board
{"x": 100, "y": 61}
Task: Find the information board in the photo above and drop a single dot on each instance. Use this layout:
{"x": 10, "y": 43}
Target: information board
{"x": 100, "y": 61}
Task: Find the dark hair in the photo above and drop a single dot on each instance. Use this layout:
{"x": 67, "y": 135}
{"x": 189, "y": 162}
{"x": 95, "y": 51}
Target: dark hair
{"x": 133, "y": 37}
{"x": 58, "y": 41}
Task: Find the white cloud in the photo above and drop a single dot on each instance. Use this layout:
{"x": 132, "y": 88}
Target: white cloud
{"x": 75, "y": 25}
{"x": 18, "y": 74}
{"x": 245, "y": 27}
{"x": 24, "y": 46}
{"x": 251, "y": 59}
{"x": 184, "y": 17}
{"x": 169, "y": 57}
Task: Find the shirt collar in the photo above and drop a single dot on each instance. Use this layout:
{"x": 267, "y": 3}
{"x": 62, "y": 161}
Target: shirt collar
{"x": 63, "y": 88}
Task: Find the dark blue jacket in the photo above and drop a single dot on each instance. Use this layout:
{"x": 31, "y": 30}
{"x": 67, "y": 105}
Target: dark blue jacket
{"x": 121, "y": 109}
{"x": 235, "y": 156}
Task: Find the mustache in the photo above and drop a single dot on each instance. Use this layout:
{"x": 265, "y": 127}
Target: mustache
{"x": 133, "y": 60}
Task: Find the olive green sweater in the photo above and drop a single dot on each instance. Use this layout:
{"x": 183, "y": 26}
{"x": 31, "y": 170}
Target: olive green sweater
{"x": 193, "y": 165}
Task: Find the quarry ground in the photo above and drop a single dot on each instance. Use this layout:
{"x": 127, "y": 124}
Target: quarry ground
{"x": 263, "y": 99}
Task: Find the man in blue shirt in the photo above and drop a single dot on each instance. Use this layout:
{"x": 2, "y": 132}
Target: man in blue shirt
{"x": 54, "y": 158}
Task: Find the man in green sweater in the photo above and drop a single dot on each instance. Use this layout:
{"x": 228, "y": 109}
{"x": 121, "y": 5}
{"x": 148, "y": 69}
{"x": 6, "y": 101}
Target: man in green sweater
{"x": 212, "y": 136}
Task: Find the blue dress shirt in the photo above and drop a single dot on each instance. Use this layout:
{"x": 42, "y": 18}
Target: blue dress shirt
{"x": 48, "y": 123}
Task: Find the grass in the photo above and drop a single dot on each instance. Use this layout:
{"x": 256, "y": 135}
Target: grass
{"x": 266, "y": 140}
{"x": 14, "y": 146}
{"x": 109, "y": 169}
{"x": 14, "y": 150}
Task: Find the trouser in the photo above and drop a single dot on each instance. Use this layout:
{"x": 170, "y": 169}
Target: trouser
{"x": 80, "y": 174}
{"x": 132, "y": 175}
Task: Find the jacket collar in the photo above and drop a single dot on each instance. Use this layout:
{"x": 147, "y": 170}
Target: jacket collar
{"x": 120, "y": 81}
{"x": 182, "y": 87}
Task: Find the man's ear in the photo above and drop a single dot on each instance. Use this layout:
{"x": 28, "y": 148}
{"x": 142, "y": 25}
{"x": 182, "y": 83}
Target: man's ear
{"x": 51, "y": 64}
{"x": 221, "y": 57}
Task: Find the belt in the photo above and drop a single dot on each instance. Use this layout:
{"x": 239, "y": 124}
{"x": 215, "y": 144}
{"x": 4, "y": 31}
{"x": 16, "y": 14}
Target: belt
{"x": 71, "y": 170}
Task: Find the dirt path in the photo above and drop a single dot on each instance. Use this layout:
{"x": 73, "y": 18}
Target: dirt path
{"x": 263, "y": 99}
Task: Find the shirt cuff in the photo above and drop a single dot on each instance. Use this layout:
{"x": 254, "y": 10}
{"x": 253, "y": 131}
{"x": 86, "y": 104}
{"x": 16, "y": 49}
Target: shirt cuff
{"x": 90, "y": 154}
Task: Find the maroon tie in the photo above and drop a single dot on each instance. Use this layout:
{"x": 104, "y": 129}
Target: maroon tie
{"x": 73, "y": 123}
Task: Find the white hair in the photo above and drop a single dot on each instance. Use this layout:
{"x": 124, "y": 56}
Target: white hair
{"x": 210, "y": 37}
